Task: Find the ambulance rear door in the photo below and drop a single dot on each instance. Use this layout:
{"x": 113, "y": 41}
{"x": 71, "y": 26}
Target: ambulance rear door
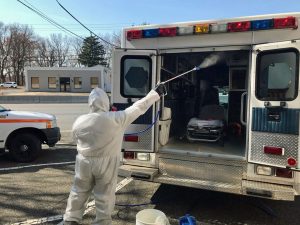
{"x": 275, "y": 105}
{"x": 133, "y": 76}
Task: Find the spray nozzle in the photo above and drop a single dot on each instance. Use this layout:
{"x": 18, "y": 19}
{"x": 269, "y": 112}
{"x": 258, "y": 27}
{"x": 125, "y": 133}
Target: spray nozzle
{"x": 197, "y": 67}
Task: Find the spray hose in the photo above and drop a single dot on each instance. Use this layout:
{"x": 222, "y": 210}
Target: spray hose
{"x": 146, "y": 129}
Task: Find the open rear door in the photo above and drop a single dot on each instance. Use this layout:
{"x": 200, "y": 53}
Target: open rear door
{"x": 275, "y": 105}
{"x": 134, "y": 75}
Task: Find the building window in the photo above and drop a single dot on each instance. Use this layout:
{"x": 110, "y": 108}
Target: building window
{"x": 77, "y": 82}
{"x": 94, "y": 82}
{"x": 35, "y": 82}
{"x": 135, "y": 75}
{"x": 51, "y": 82}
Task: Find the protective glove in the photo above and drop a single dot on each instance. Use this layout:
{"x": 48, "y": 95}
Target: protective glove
{"x": 161, "y": 89}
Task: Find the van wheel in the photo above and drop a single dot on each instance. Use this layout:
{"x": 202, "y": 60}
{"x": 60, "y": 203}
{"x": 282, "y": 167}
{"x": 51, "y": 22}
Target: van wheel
{"x": 25, "y": 147}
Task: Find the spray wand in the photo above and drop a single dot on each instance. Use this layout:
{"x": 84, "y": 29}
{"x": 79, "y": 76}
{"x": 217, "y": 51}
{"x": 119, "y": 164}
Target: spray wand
{"x": 180, "y": 75}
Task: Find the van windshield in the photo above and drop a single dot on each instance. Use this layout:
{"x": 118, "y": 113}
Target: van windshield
{"x": 2, "y": 109}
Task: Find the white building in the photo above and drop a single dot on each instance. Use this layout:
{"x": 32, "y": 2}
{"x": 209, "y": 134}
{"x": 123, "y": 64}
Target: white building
{"x": 67, "y": 79}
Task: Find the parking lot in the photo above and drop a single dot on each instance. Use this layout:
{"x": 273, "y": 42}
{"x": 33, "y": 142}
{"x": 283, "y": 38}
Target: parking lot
{"x": 36, "y": 193}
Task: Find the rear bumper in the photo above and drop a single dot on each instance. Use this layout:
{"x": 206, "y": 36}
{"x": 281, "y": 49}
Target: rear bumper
{"x": 209, "y": 176}
{"x": 138, "y": 172}
{"x": 267, "y": 190}
{"x": 52, "y": 135}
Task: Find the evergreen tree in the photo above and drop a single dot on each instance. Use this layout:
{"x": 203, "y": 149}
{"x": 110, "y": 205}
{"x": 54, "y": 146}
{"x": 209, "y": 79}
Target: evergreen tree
{"x": 92, "y": 52}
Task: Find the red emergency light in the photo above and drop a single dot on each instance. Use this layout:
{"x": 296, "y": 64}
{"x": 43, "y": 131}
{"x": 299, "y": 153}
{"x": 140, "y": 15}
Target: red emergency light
{"x": 273, "y": 150}
{"x": 239, "y": 26}
{"x": 167, "y": 32}
{"x": 134, "y": 34}
{"x": 288, "y": 22}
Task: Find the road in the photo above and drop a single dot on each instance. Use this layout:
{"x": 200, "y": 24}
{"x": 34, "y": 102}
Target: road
{"x": 41, "y": 191}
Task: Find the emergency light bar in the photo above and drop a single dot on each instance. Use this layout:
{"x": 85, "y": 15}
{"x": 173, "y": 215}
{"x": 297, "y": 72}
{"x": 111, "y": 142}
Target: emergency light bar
{"x": 239, "y": 26}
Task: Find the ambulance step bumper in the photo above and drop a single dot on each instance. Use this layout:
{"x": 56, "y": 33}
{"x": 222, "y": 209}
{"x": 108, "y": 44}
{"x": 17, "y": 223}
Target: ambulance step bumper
{"x": 267, "y": 190}
{"x": 201, "y": 184}
{"x": 137, "y": 172}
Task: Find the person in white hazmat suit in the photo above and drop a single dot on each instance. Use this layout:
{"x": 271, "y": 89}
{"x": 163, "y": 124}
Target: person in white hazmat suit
{"x": 99, "y": 136}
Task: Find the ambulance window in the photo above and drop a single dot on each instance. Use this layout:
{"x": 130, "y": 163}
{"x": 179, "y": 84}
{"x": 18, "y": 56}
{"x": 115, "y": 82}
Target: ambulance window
{"x": 135, "y": 76}
{"x": 277, "y": 75}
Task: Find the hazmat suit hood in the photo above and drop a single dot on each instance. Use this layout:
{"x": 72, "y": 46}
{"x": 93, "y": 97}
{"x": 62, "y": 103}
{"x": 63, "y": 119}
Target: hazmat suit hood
{"x": 98, "y": 101}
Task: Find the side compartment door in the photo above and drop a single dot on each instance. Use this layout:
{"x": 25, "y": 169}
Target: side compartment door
{"x": 133, "y": 76}
{"x": 275, "y": 105}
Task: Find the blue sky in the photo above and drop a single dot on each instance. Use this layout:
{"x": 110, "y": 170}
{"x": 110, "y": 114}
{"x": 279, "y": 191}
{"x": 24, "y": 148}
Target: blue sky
{"x": 111, "y": 15}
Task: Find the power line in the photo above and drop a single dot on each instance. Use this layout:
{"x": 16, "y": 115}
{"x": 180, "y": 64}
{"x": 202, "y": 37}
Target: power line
{"x": 84, "y": 25}
{"x": 48, "y": 19}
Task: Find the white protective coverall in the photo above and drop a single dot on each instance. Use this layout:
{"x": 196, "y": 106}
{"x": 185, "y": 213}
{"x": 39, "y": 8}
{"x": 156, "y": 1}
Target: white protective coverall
{"x": 99, "y": 136}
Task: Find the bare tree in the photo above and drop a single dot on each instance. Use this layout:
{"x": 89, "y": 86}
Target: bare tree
{"x": 5, "y": 49}
{"x": 22, "y": 46}
{"x": 75, "y": 50}
{"x": 115, "y": 39}
{"x": 60, "y": 46}
{"x": 44, "y": 55}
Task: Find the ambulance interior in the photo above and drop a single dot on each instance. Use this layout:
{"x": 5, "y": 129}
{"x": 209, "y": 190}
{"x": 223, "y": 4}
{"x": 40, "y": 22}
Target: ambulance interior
{"x": 204, "y": 112}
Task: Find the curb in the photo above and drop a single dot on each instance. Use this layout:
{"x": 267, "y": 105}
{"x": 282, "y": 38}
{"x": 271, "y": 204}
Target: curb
{"x": 21, "y": 99}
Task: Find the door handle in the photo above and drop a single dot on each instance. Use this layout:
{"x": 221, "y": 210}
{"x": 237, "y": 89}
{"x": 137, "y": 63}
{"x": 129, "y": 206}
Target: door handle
{"x": 243, "y": 122}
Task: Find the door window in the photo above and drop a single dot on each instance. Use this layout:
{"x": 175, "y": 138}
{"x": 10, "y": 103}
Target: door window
{"x": 277, "y": 75}
{"x": 135, "y": 76}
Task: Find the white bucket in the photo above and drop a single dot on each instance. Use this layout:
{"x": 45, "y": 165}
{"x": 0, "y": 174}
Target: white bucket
{"x": 151, "y": 217}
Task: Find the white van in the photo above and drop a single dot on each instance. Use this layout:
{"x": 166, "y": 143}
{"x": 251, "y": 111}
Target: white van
{"x": 232, "y": 123}
{"x": 9, "y": 85}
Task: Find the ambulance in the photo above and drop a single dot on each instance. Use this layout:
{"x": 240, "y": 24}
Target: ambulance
{"x": 23, "y": 133}
{"x": 230, "y": 123}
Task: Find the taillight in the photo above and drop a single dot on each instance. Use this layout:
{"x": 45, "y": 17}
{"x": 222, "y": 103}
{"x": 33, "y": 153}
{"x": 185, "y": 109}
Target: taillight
{"x": 273, "y": 150}
{"x": 134, "y": 34}
{"x": 128, "y": 155}
{"x": 168, "y": 32}
{"x": 280, "y": 172}
{"x": 288, "y": 22}
{"x": 239, "y": 26}
{"x": 131, "y": 138}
